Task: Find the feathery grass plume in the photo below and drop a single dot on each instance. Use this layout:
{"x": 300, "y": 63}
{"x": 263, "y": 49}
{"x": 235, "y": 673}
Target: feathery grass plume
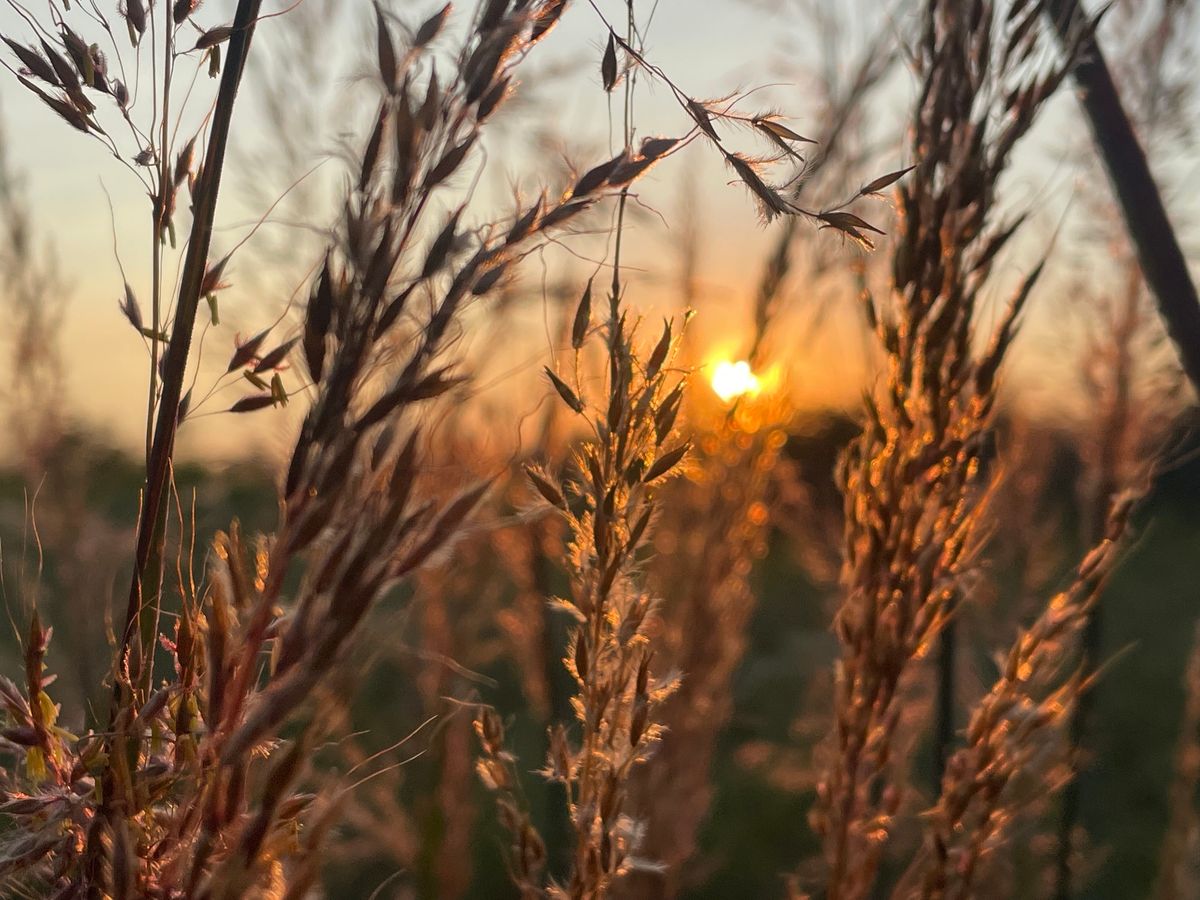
{"x": 1015, "y": 739}
{"x": 711, "y": 533}
{"x": 751, "y": 170}
{"x": 916, "y": 480}
{"x": 608, "y": 509}
{"x": 607, "y": 658}
{"x": 351, "y": 511}
{"x": 608, "y": 504}
{"x": 198, "y": 795}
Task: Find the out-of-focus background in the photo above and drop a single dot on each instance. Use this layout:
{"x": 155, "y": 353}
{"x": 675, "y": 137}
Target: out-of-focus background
{"x": 74, "y": 382}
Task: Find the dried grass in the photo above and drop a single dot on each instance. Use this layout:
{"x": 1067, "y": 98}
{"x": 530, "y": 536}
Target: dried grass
{"x": 207, "y": 781}
{"x": 917, "y": 481}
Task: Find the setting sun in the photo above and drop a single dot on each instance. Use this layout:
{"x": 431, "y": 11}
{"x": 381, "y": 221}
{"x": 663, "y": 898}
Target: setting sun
{"x": 731, "y": 380}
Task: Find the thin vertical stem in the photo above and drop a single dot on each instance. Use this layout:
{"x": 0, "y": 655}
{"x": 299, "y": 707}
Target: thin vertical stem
{"x": 627, "y": 134}
{"x": 151, "y": 525}
{"x": 160, "y": 217}
{"x": 943, "y": 737}
{"x": 195, "y": 263}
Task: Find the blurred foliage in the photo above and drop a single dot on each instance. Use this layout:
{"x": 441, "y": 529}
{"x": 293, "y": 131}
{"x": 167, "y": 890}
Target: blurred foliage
{"x": 757, "y": 831}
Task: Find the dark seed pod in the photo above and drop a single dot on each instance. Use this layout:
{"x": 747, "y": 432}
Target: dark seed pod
{"x": 524, "y": 225}
{"x": 597, "y": 175}
{"x": 569, "y": 397}
{"x": 583, "y": 318}
{"x": 448, "y": 163}
{"x": 214, "y": 36}
{"x": 252, "y": 403}
{"x": 492, "y": 98}
{"x": 546, "y": 487}
{"x": 385, "y": 52}
{"x": 430, "y": 27}
{"x": 33, "y": 61}
{"x": 546, "y": 20}
{"x": 247, "y": 351}
{"x": 488, "y": 279}
{"x": 276, "y": 357}
{"x": 659, "y": 355}
{"x": 135, "y": 15}
{"x": 666, "y": 462}
{"x": 439, "y": 250}
{"x": 608, "y": 64}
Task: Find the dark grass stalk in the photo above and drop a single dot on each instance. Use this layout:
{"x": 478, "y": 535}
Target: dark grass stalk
{"x": 1149, "y": 227}
{"x": 193, "y": 818}
{"x": 141, "y": 617}
{"x": 1166, "y": 273}
{"x": 142, "y": 610}
{"x": 139, "y": 612}
{"x": 159, "y": 215}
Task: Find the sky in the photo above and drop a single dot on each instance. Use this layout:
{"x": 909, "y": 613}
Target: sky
{"x": 91, "y": 212}
{"x": 71, "y": 182}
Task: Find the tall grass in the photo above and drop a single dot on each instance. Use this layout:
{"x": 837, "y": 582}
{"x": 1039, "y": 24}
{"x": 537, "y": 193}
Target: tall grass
{"x": 614, "y": 576}
{"x": 918, "y": 479}
{"x": 178, "y": 796}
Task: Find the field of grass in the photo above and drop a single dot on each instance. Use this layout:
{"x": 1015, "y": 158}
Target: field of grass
{"x": 542, "y": 567}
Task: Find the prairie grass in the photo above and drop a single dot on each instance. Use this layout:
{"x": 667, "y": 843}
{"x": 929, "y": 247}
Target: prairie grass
{"x": 445, "y": 638}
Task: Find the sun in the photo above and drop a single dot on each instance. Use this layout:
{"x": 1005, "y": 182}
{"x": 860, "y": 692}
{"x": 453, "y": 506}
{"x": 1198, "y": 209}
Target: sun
{"x": 731, "y": 380}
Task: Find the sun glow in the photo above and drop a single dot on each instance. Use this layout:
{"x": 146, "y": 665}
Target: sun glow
{"x": 731, "y": 380}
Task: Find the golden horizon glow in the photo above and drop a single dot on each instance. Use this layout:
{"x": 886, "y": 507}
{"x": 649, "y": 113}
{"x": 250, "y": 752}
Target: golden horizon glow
{"x": 731, "y": 380}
